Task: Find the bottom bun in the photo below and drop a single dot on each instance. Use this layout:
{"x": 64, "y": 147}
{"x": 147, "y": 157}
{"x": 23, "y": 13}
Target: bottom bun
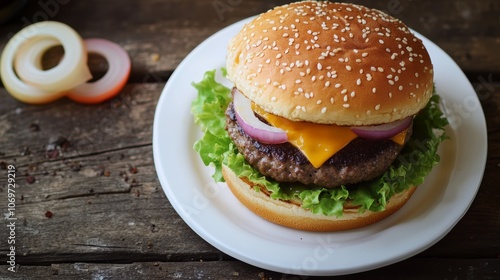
{"x": 293, "y": 216}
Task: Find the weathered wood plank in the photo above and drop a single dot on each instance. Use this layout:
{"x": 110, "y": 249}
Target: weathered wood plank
{"x": 118, "y": 215}
{"x": 66, "y": 129}
{"x": 409, "y": 269}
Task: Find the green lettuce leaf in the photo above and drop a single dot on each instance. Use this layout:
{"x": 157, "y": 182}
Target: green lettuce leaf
{"x": 411, "y": 167}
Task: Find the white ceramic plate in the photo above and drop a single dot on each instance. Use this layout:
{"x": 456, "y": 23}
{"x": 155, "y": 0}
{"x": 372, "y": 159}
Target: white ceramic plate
{"x": 217, "y": 216}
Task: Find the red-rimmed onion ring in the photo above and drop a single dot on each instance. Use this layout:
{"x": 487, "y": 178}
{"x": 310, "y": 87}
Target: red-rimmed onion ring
{"x": 252, "y": 126}
{"x": 383, "y": 131}
{"x": 112, "y": 82}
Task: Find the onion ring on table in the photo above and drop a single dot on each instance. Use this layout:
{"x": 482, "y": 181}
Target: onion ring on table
{"x": 19, "y": 89}
{"x": 112, "y": 82}
{"x": 72, "y": 69}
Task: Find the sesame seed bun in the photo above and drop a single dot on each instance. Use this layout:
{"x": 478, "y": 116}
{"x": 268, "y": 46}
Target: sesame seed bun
{"x": 331, "y": 63}
{"x": 293, "y": 216}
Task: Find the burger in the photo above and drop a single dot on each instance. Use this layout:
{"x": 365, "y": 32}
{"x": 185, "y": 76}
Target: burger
{"x": 332, "y": 121}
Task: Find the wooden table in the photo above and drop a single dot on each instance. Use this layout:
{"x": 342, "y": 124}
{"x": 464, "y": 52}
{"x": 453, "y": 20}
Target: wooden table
{"x": 89, "y": 203}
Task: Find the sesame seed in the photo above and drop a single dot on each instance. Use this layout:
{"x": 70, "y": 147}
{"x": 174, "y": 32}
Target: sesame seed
{"x": 377, "y": 107}
{"x": 298, "y": 81}
{"x": 374, "y": 90}
{"x": 320, "y": 66}
{"x": 345, "y": 105}
{"x": 391, "y": 82}
{"x": 368, "y": 77}
{"x": 348, "y": 67}
{"x": 273, "y": 98}
{"x": 337, "y": 85}
{"x": 358, "y": 82}
{"x": 249, "y": 77}
{"x": 323, "y": 110}
{"x": 327, "y": 83}
{"x": 268, "y": 81}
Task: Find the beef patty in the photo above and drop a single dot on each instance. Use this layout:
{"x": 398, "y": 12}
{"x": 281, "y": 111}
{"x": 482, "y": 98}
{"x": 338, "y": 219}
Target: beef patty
{"x": 360, "y": 160}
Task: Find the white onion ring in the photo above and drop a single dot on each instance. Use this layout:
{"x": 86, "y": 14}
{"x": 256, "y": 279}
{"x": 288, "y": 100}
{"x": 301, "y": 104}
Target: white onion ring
{"x": 72, "y": 69}
{"x": 383, "y": 131}
{"x": 16, "y": 87}
{"x": 252, "y": 125}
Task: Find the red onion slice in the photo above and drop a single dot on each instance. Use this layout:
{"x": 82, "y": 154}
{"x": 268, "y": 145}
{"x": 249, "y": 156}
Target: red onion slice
{"x": 252, "y": 126}
{"x": 383, "y": 131}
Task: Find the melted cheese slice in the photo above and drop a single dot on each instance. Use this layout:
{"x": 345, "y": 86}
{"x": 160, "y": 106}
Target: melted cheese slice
{"x": 318, "y": 142}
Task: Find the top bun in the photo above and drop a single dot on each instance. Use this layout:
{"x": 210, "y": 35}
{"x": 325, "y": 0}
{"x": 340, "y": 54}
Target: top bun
{"x": 331, "y": 63}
